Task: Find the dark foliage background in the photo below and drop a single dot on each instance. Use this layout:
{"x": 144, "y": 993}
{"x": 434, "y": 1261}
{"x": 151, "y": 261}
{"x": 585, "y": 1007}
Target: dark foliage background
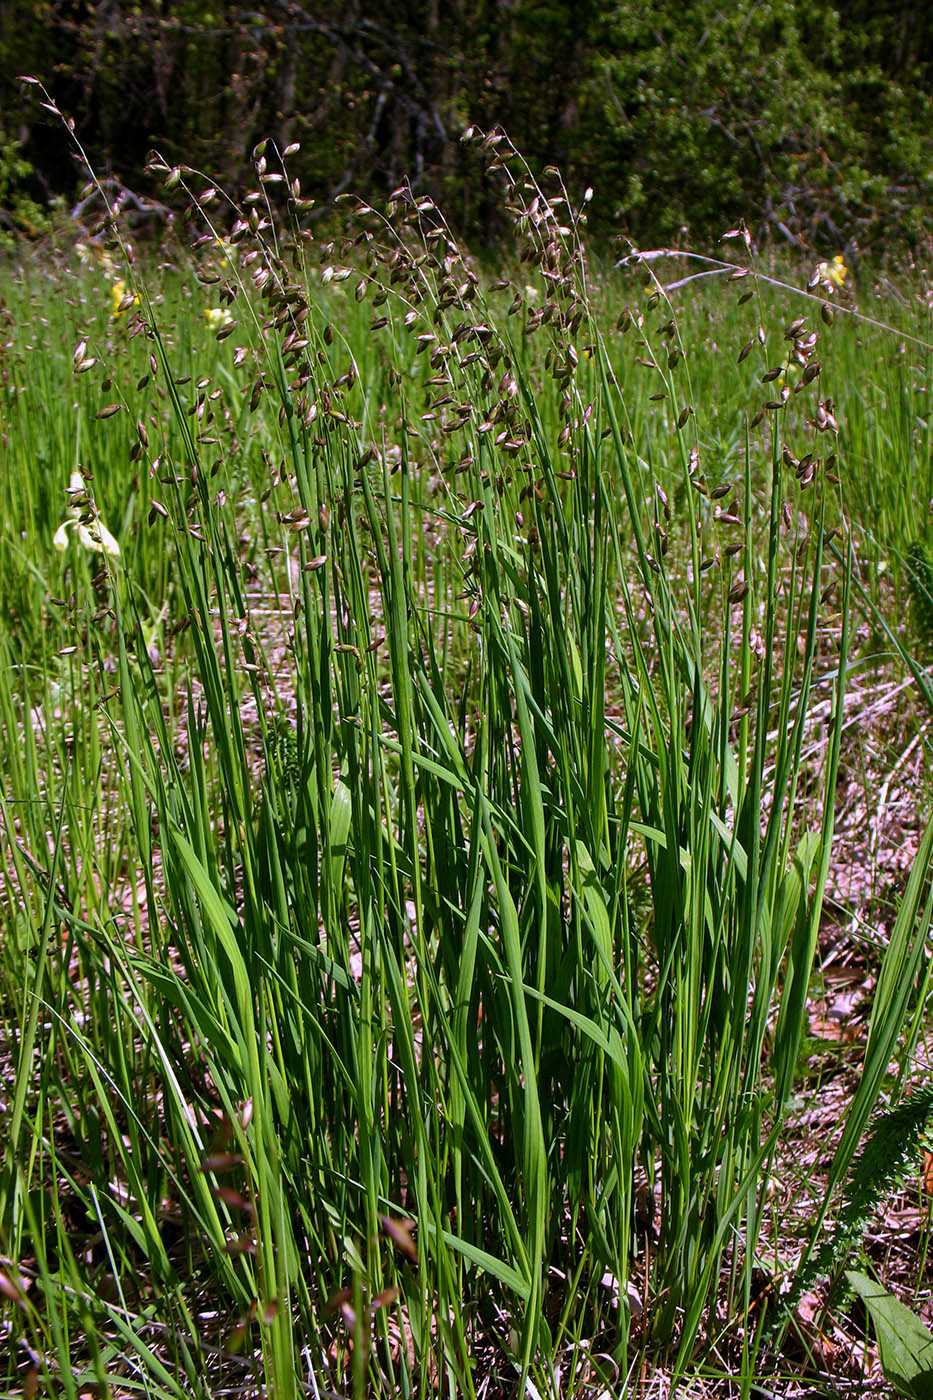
{"x": 812, "y": 121}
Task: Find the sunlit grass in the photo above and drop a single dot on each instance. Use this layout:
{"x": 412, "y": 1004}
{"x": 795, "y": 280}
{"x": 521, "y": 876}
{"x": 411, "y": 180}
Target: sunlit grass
{"x": 414, "y": 842}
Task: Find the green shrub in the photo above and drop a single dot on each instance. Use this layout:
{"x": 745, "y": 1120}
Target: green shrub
{"x": 19, "y": 213}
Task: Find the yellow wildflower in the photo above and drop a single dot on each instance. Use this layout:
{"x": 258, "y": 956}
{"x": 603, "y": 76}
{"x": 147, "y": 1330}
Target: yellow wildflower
{"x": 118, "y": 295}
{"x": 830, "y": 275}
{"x": 217, "y": 316}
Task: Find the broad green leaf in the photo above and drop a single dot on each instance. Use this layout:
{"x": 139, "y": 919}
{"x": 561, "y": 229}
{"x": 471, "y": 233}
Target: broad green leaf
{"x": 481, "y": 1259}
{"x": 904, "y": 1344}
{"x": 222, "y": 921}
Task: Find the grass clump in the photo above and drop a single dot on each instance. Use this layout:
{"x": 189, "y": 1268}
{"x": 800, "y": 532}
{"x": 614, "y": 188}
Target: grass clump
{"x": 411, "y": 893}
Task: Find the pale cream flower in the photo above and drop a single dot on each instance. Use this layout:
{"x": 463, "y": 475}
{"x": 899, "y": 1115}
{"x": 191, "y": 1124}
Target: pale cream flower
{"x": 93, "y": 534}
{"x": 92, "y": 254}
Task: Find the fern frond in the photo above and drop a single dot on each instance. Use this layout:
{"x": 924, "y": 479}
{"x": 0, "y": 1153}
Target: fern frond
{"x": 920, "y": 583}
{"x": 889, "y": 1155}
{"x": 284, "y": 751}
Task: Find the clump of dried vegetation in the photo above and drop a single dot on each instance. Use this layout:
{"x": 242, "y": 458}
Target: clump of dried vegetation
{"x": 423, "y": 912}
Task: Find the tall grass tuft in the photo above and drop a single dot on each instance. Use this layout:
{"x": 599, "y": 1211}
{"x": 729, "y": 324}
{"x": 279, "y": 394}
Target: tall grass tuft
{"x": 412, "y": 873}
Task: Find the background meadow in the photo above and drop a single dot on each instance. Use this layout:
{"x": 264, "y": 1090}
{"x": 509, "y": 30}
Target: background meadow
{"x": 465, "y": 862}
